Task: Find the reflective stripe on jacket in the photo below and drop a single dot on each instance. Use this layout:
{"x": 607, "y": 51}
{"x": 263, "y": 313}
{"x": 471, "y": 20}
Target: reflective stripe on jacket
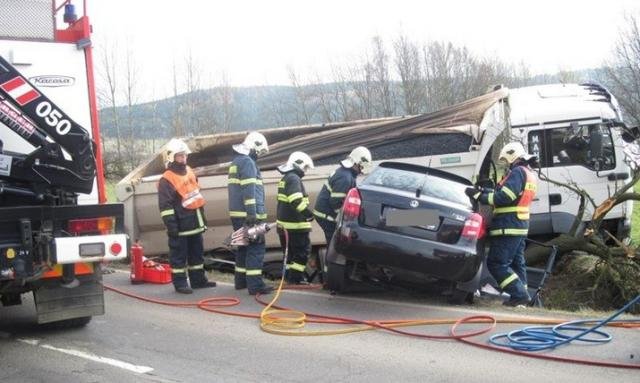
{"x": 245, "y": 189}
{"x": 333, "y": 193}
{"x": 293, "y": 204}
{"x": 511, "y": 200}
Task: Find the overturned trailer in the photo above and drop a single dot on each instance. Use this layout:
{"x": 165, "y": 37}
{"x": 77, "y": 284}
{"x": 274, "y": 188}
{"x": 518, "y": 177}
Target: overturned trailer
{"x": 424, "y": 139}
{"x": 461, "y": 139}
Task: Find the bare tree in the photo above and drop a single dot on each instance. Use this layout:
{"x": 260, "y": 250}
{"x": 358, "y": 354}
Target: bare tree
{"x": 408, "y": 65}
{"x": 177, "y": 120}
{"x": 109, "y": 75}
{"x": 362, "y": 83}
{"x": 132, "y": 144}
{"x": 193, "y": 96}
{"x": 622, "y": 73}
{"x": 225, "y": 105}
{"x": 303, "y": 99}
{"x": 382, "y": 90}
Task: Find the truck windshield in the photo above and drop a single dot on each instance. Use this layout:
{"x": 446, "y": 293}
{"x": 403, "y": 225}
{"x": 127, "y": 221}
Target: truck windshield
{"x": 590, "y": 146}
{"x": 431, "y": 186}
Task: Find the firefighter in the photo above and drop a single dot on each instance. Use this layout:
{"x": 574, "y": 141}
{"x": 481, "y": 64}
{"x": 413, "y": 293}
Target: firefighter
{"x": 246, "y": 208}
{"x": 294, "y": 216}
{"x": 508, "y": 230}
{"x": 181, "y": 209}
{"x": 335, "y": 190}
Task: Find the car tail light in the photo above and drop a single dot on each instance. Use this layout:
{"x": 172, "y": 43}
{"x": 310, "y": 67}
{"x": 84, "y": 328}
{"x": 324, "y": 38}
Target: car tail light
{"x": 474, "y": 227}
{"x": 102, "y": 225}
{"x": 351, "y": 206}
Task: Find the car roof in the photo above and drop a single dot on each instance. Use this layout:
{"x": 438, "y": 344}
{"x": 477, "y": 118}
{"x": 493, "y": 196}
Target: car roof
{"x": 424, "y": 170}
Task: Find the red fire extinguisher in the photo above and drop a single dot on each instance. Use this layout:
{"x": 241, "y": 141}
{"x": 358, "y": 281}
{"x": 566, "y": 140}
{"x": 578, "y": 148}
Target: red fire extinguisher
{"x": 137, "y": 264}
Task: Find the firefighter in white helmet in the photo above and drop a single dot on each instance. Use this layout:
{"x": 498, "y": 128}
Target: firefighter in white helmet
{"x": 334, "y": 191}
{"x": 508, "y": 230}
{"x": 181, "y": 209}
{"x": 294, "y": 216}
{"x": 246, "y": 208}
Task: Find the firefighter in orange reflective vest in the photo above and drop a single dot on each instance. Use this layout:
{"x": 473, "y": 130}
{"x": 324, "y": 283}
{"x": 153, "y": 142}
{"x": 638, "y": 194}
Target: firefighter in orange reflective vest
{"x": 181, "y": 209}
{"x": 508, "y": 230}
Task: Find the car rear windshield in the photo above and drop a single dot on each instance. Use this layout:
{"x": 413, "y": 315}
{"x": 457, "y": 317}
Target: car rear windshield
{"x": 430, "y": 185}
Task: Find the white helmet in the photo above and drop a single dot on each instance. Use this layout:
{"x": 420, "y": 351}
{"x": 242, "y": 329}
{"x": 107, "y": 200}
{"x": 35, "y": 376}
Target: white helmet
{"x": 174, "y": 147}
{"x": 297, "y": 160}
{"x": 512, "y": 151}
{"x": 360, "y": 156}
{"x": 254, "y": 141}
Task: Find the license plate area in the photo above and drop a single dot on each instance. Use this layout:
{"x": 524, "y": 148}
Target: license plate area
{"x": 91, "y": 249}
{"x": 428, "y": 219}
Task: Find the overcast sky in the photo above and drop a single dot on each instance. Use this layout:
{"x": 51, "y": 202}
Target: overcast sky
{"x": 253, "y": 41}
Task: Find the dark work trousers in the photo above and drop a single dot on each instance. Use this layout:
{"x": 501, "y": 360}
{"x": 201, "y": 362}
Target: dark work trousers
{"x": 249, "y": 260}
{"x": 328, "y": 227}
{"x": 299, "y": 247}
{"x": 507, "y": 265}
{"x": 185, "y": 254}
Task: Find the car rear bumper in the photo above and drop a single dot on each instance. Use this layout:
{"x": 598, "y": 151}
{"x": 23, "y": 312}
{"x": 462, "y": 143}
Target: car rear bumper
{"x": 450, "y": 262}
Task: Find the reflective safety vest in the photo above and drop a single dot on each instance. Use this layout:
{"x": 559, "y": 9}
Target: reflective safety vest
{"x": 187, "y": 187}
{"x": 526, "y": 197}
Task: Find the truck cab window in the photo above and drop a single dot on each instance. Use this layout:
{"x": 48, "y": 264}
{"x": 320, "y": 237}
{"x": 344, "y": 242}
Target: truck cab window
{"x": 590, "y": 146}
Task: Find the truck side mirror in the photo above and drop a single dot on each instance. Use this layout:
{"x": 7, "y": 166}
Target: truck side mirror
{"x": 631, "y": 134}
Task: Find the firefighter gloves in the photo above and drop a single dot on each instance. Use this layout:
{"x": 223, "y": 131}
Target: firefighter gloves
{"x": 473, "y": 192}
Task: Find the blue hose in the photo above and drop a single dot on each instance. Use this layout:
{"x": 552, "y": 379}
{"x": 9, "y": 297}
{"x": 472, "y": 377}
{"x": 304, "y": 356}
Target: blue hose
{"x": 538, "y": 338}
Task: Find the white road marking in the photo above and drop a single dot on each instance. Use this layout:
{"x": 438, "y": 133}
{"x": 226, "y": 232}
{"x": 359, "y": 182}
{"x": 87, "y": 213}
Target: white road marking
{"x": 33, "y": 342}
{"x": 92, "y": 357}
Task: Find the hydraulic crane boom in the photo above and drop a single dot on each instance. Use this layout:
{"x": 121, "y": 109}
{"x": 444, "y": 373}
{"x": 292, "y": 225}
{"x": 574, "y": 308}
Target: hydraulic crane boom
{"x": 64, "y": 155}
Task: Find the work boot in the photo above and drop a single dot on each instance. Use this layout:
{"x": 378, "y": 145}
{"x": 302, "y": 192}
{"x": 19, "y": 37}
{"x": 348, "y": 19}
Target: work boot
{"x": 184, "y": 290}
{"x": 293, "y": 277}
{"x": 204, "y": 285}
{"x": 516, "y": 302}
{"x": 262, "y": 290}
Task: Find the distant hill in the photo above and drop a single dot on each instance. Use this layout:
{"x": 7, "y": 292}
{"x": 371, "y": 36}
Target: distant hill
{"x": 248, "y": 108}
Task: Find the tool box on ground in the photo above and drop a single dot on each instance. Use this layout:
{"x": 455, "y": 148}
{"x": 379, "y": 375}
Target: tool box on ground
{"x": 144, "y": 270}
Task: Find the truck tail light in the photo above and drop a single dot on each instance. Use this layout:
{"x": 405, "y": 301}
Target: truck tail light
{"x": 115, "y": 248}
{"x": 473, "y": 227}
{"x": 102, "y": 225}
{"x": 351, "y": 206}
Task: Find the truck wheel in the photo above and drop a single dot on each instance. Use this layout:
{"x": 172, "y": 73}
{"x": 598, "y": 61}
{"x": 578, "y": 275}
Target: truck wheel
{"x": 460, "y": 297}
{"x": 336, "y": 277}
{"x": 68, "y": 323}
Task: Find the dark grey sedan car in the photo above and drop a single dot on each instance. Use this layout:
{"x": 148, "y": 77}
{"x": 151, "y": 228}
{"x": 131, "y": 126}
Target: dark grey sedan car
{"x": 409, "y": 223}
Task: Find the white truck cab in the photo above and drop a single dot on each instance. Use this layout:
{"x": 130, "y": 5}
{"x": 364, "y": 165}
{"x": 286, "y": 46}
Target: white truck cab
{"x": 571, "y": 129}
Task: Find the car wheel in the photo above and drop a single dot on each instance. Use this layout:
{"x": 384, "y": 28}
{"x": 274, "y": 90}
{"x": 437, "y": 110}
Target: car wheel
{"x": 336, "y": 277}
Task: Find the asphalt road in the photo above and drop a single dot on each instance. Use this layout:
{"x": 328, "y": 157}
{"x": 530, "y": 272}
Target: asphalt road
{"x": 137, "y": 341}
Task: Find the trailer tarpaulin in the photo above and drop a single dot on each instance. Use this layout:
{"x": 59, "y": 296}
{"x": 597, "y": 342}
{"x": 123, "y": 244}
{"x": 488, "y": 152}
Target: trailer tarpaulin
{"x": 212, "y": 154}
